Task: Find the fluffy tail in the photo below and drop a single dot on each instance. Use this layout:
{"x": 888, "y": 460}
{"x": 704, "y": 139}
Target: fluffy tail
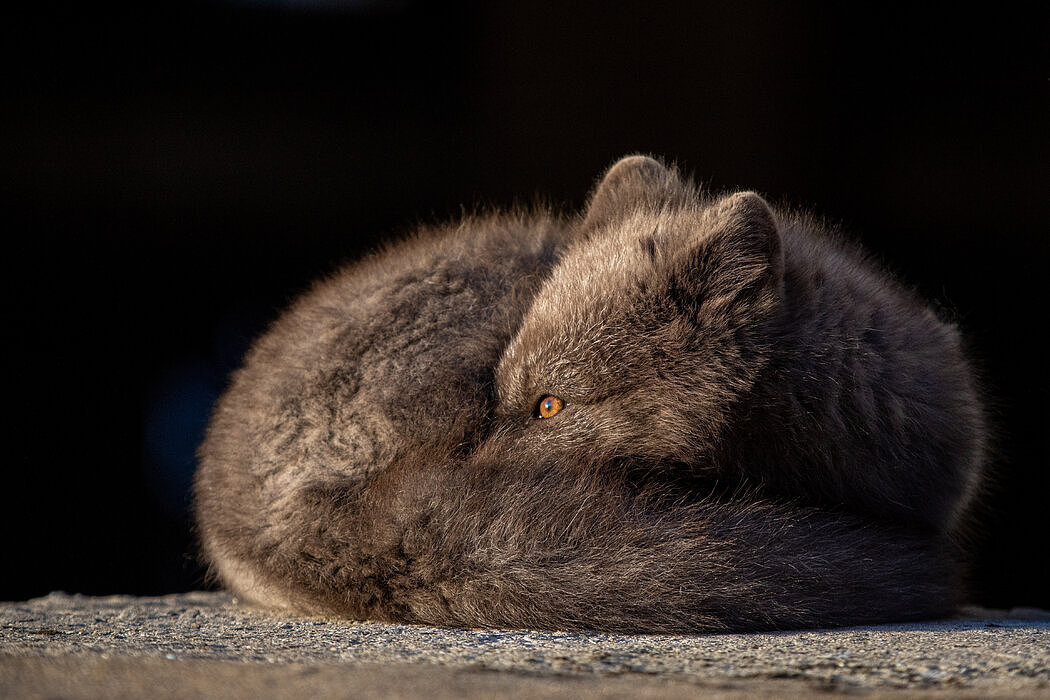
{"x": 552, "y": 547}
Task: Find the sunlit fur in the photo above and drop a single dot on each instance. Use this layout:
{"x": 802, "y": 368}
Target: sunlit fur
{"x": 760, "y": 428}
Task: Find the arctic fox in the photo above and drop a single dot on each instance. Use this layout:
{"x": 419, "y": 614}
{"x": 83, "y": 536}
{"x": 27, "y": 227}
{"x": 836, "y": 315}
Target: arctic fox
{"x": 676, "y": 412}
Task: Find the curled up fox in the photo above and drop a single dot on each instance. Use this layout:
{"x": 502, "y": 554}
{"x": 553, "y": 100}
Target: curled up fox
{"x": 676, "y": 411}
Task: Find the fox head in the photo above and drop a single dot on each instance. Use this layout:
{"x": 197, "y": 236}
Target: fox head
{"x": 651, "y": 327}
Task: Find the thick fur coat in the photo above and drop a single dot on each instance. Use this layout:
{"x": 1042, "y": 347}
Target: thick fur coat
{"x": 676, "y": 412}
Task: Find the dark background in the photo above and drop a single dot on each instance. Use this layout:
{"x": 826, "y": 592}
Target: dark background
{"x": 172, "y": 175}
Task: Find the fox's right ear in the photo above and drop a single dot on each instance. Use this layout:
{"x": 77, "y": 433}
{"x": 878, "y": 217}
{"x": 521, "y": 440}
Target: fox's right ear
{"x": 635, "y": 183}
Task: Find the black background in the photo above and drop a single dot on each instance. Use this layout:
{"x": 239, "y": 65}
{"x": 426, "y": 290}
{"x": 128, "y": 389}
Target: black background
{"x": 172, "y": 175}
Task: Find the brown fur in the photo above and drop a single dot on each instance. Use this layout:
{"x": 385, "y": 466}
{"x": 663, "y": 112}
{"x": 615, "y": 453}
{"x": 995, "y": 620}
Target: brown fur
{"x": 761, "y": 429}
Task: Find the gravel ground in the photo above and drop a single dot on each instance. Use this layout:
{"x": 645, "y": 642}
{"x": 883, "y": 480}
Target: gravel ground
{"x": 204, "y": 644}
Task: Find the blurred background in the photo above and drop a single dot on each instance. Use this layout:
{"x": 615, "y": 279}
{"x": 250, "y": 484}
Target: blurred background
{"x": 172, "y": 174}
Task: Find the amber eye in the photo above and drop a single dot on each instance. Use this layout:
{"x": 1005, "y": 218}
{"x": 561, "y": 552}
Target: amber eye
{"x": 548, "y": 406}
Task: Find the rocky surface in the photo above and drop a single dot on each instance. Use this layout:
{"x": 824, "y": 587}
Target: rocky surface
{"x": 205, "y": 644}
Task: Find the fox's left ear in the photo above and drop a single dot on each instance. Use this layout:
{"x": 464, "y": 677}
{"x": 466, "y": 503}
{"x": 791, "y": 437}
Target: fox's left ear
{"x": 632, "y": 184}
{"x": 736, "y": 270}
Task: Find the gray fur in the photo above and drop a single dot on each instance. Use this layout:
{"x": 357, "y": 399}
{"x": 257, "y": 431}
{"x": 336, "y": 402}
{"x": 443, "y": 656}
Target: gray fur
{"x": 761, "y": 428}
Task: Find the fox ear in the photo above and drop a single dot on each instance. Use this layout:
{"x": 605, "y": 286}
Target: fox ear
{"x": 737, "y": 270}
{"x": 633, "y": 183}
